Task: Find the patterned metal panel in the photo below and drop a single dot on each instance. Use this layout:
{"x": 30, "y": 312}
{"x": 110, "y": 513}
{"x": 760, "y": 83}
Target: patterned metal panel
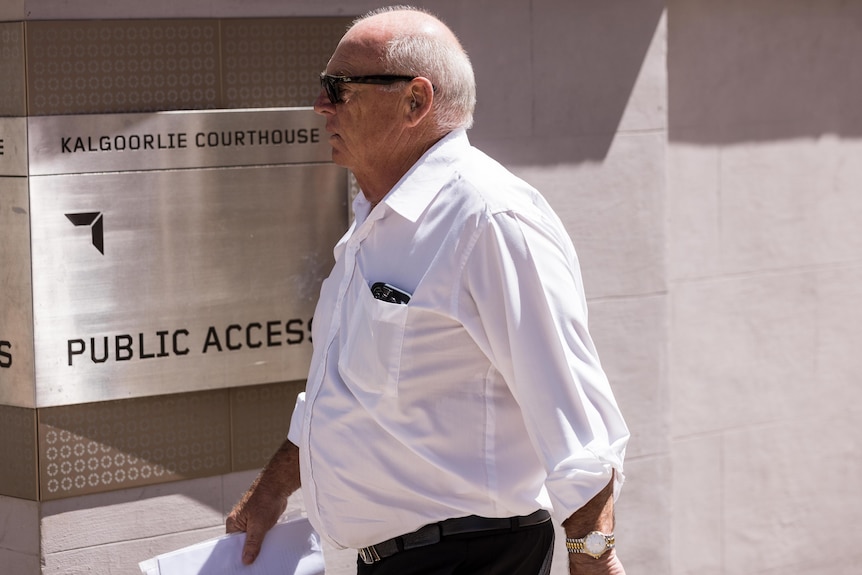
{"x": 277, "y": 62}
{"x": 260, "y": 420}
{"x": 18, "y": 471}
{"x": 111, "y": 66}
{"x": 80, "y": 67}
{"x": 12, "y": 85}
{"x": 97, "y": 447}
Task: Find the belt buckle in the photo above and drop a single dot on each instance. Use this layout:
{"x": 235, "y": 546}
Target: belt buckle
{"x": 369, "y": 555}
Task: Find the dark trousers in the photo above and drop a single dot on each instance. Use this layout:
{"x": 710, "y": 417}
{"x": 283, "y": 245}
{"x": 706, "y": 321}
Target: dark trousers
{"x": 527, "y": 551}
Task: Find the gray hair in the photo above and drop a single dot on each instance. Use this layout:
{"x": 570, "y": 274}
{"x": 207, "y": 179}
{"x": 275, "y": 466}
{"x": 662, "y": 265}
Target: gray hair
{"x": 445, "y": 64}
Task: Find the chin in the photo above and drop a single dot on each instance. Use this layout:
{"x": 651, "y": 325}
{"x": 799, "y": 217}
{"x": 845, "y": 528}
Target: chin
{"x": 339, "y": 159}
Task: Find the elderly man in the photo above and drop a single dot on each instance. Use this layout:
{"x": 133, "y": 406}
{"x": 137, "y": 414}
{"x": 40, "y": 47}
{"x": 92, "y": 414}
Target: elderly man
{"x": 455, "y": 405}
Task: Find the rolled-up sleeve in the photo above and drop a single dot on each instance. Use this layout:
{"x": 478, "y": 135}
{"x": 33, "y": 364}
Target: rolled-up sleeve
{"x": 523, "y": 277}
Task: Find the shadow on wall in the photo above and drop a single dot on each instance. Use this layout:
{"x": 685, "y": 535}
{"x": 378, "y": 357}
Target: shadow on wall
{"x": 584, "y": 59}
{"x": 744, "y": 72}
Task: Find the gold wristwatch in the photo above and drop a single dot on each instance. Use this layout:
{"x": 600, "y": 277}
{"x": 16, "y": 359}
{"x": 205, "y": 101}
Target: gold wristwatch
{"x": 594, "y": 544}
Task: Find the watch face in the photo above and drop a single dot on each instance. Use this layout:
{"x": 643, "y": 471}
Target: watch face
{"x": 594, "y": 543}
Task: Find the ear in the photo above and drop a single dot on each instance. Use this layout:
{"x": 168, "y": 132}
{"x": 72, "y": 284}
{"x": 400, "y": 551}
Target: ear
{"x": 419, "y": 100}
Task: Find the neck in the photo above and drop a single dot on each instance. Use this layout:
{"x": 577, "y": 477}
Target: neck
{"x": 376, "y": 183}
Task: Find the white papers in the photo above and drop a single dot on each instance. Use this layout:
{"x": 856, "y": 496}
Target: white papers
{"x": 290, "y": 548}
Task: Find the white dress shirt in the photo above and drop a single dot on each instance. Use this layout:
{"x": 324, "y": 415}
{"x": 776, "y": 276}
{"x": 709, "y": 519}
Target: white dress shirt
{"x": 484, "y": 394}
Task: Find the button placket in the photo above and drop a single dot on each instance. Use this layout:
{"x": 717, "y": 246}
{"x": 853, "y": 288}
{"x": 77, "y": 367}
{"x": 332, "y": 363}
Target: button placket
{"x": 349, "y": 262}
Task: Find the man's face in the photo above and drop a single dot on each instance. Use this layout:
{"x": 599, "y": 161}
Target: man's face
{"x": 366, "y": 125}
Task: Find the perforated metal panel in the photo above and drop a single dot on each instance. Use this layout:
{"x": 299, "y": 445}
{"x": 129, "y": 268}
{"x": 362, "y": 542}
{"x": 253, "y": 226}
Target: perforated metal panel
{"x": 111, "y": 445}
{"x": 18, "y": 470}
{"x": 276, "y": 62}
{"x": 260, "y": 421}
{"x": 110, "y": 66}
{"x": 77, "y": 67}
{"x": 12, "y": 101}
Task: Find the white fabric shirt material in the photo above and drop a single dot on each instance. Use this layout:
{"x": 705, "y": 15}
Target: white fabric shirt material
{"x": 484, "y": 394}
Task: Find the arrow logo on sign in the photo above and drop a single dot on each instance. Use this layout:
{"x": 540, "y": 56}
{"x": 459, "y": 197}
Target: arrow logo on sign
{"x": 94, "y": 220}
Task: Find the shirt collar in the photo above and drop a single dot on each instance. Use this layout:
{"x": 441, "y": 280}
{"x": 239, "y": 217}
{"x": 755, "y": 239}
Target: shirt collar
{"x": 415, "y": 190}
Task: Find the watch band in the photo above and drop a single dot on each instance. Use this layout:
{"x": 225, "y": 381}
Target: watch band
{"x": 594, "y": 544}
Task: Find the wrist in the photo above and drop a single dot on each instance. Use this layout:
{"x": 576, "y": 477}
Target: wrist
{"x": 607, "y": 564}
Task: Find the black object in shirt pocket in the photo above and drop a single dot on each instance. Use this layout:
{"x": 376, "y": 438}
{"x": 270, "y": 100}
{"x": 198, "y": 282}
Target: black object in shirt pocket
{"x": 386, "y": 292}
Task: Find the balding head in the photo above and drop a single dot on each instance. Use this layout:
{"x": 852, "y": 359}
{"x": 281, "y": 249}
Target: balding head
{"x": 411, "y": 42}
{"x": 394, "y": 21}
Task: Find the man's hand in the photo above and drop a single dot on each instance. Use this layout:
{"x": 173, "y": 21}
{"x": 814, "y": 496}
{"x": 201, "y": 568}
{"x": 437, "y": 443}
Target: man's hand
{"x": 265, "y": 501}
{"x": 255, "y": 514}
{"x": 607, "y": 564}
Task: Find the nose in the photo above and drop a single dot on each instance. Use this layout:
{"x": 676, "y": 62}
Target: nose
{"x": 322, "y": 105}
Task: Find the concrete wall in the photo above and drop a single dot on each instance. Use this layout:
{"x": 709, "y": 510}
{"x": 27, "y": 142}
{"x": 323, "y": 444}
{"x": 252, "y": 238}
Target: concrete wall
{"x": 702, "y": 157}
{"x": 764, "y": 264}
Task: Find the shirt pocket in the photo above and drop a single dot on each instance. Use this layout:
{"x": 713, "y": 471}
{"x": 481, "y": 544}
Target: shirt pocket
{"x": 371, "y": 341}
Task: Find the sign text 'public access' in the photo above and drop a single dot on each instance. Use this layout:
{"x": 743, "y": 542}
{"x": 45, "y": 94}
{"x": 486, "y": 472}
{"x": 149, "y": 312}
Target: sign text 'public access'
{"x": 182, "y": 341}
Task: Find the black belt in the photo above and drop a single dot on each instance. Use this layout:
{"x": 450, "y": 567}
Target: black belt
{"x": 431, "y": 534}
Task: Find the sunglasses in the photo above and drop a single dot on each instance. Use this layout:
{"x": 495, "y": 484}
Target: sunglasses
{"x": 332, "y": 84}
